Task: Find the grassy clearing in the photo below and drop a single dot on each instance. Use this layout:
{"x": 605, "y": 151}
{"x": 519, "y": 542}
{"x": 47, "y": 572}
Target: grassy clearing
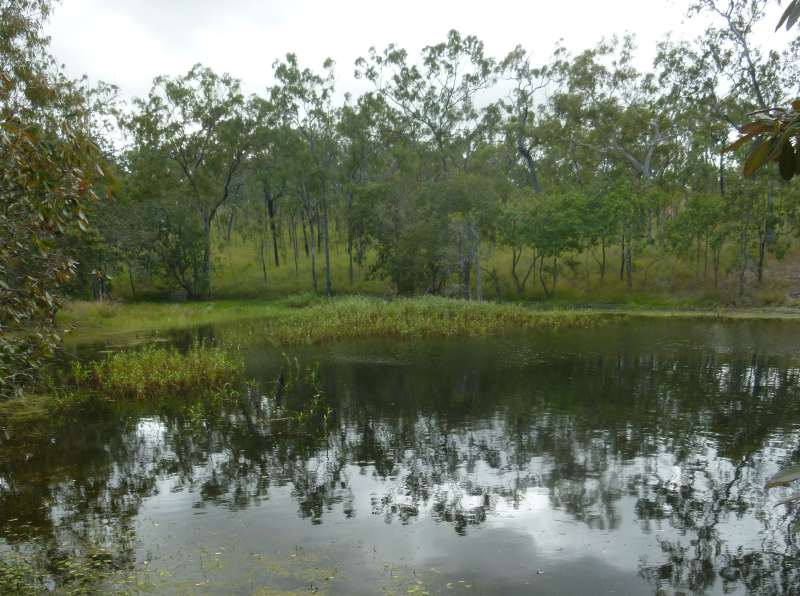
{"x": 95, "y": 321}
{"x": 157, "y": 372}
{"x": 660, "y": 280}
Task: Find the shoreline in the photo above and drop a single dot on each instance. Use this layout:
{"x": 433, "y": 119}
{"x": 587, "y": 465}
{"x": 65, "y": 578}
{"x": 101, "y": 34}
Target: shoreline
{"x": 308, "y": 318}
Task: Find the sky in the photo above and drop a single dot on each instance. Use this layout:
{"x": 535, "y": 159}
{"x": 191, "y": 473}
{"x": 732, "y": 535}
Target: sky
{"x": 129, "y": 42}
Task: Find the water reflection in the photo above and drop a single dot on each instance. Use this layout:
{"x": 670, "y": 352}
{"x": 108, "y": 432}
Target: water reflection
{"x": 629, "y": 451}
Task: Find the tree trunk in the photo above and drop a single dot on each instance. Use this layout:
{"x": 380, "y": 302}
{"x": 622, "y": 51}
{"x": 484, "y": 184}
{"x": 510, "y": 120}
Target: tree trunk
{"x": 742, "y": 261}
{"x": 326, "y": 244}
{"x": 629, "y": 265}
{"x": 263, "y": 258}
{"x": 229, "y": 228}
{"x": 270, "y": 201}
{"x": 132, "y": 280}
{"x": 350, "y": 260}
{"x": 350, "y": 236}
{"x": 305, "y": 235}
{"x": 603, "y": 262}
{"x": 313, "y": 256}
{"x": 204, "y": 288}
{"x": 530, "y": 165}
{"x": 622, "y": 258}
{"x": 763, "y": 239}
{"x": 478, "y": 286}
{"x": 542, "y": 279}
{"x": 516, "y": 256}
{"x": 293, "y": 242}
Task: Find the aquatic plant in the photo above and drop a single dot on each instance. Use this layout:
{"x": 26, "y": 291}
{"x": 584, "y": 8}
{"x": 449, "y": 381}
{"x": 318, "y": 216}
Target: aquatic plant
{"x": 350, "y": 317}
{"x": 19, "y": 576}
{"x": 159, "y": 372}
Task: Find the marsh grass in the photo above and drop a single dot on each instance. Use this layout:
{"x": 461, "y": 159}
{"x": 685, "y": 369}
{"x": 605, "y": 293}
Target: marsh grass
{"x": 310, "y": 318}
{"x": 351, "y": 317}
{"x": 155, "y": 372}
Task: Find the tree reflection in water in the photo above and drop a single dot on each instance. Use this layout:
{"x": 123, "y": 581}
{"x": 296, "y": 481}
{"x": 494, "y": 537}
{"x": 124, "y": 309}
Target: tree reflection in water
{"x": 682, "y": 443}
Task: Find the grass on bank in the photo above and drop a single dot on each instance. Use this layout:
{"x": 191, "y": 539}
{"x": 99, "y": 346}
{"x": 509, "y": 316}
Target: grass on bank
{"x": 155, "y": 372}
{"x": 309, "y": 318}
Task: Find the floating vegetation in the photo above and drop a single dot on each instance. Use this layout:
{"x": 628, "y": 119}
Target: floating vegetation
{"x": 89, "y": 573}
{"x": 19, "y": 576}
{"x": 159, "y": 372}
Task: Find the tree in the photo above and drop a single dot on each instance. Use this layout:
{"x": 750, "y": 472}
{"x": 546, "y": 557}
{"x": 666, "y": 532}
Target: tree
{"x": 50, "y": 170}
{"x": 305, "y": 101}
{"x": 198, "y": 127}
{"x": 771, "y": 128}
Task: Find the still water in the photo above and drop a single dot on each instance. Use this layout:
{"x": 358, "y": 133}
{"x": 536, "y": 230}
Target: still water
{"x": 629, "y": 459}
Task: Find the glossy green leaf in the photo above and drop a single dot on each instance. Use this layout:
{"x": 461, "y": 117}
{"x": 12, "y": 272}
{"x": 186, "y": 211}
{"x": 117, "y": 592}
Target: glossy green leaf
{"x": 758, "y": 157}
{"x": 784, "y": 477}
{"x": 787, "y": 161}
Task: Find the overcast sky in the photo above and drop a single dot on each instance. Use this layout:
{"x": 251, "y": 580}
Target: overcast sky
{"x": 128, "y": 42}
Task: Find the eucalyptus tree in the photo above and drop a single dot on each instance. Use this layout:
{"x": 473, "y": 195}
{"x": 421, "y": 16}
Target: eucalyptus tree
{"x": 304, "y": 100}
{"x": 268, "y": 173}
{"x": 434, "y": 104}
{"x": 436, "y": 99}
{"x": 199, "y": 128}
{"x": 366, "y": 158}
{"x": 523, "y": 107}
{"x": 759, "y": 81}
{"x": 617, "y": 124}
{"x": 52, "y": 171}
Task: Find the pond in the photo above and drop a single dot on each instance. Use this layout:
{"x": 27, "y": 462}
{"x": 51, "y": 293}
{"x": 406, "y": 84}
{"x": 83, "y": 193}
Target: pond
{"x": 627, "y": 459}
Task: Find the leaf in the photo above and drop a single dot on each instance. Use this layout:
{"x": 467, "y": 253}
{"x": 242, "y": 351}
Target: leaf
{"x": 757, "y": 158}
{"x": 797, "y": 158}
{"x": 737, "y": 143}
{"x": 754, "y": 128}
{"x": 790, "y": 15}
{"x": 796, "y": 105}
{"x": 784, "y": 477}
{"x": 787, "y": 161}
{"x": 787, "y": 500}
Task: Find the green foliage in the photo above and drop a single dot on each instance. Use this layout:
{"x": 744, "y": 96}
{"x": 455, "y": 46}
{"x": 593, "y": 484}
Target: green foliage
{"x": 156, "y": 372}
{"x": 50, "y": 166}
{"x": 429, "y": 183}
{"x": 191, "y": 135}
